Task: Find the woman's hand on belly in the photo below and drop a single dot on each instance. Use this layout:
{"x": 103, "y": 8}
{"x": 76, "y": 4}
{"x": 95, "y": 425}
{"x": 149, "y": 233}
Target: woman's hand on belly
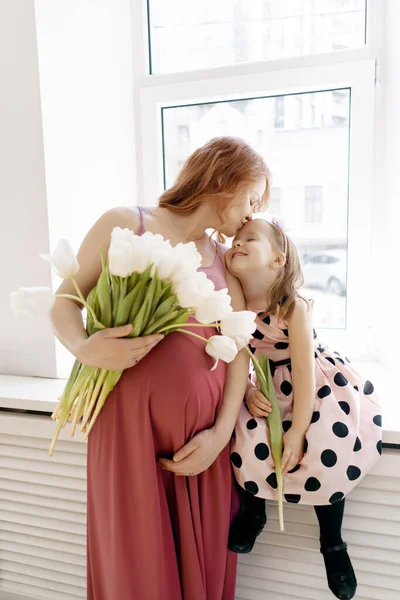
{"x": 197, "y": 455}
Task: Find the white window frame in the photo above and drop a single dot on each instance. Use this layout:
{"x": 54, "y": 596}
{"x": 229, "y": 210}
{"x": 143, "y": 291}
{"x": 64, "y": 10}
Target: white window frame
{"x": 354, "y": 69}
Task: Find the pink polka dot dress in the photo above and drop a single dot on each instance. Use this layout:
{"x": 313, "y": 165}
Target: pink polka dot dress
{"x": 344, "y": 439}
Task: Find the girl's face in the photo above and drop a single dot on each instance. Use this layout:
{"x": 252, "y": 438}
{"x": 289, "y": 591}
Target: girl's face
{"x": 252, "y": 250}
{"x": 240, "y": 209}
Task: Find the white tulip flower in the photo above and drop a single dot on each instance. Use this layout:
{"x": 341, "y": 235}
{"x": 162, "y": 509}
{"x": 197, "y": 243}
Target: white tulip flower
{"x": 32, "y": 301}
{"x": 214, "y": 307}
{"x": 63, "y": 260}
{"x": 239, "y": 325}
{"x": 221, "y": 347}
{"x": 120, "y": 260}
{"x": 192, "y": 291}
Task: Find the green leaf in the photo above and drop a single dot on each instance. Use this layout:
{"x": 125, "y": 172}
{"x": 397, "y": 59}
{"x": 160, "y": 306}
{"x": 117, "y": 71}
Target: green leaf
{"x": 139, "y": 320}
{"x": 163, "y": 309}
{"x": 115, "y": 296}
{"x": 92, "y": 301}
{"x": 71, "y": 380}
{"x": 125, "y": 307}
{"x": 167, "y": 293}
{"x": 103, "y": 290}
{"x": 143, "y": 281}
{"x": 132, "y": 281}
{"x": 149, "y": 298}
{"x": 158, "y": 292}
{"x": 160, "y": 323}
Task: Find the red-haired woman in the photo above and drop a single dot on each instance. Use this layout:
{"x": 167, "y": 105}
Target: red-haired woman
{"x": 161, "y": 533}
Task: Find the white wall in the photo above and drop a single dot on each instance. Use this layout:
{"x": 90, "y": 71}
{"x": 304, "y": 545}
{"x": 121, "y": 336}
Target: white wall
{"x": 24, "y": 348}
{"x": 66, "y": 147}
{"x": 390, "y": 257}
{"x": 86, "y": 80}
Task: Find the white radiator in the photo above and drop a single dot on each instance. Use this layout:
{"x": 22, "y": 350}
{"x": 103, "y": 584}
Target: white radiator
{"x": 42, "y": 527}
{"x": 42, "y": 511}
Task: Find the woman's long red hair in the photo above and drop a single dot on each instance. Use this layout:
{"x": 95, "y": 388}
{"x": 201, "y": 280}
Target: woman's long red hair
{"x": 216, "y": 172}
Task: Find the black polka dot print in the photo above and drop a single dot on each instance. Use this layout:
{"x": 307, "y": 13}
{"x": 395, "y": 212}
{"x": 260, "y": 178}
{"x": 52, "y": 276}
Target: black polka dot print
{"x": 378, "y": 420}
{"x": 340, "y": 360}
{"x": 289, "y": 367}
{"x": 285, "y": 332}
{"x": 305, "y": 446}
{"x": 353, "y": 472}
{"x": 315, "y": 416}
{"x": 292, "y": 498}
{"x": 261, "y": 451}
{"x": 283, "y": 300}
{"x": 347, "y": 359}
{"x": 236, "y": 460}
{"x": 336, "y": 497}
{"x": 340, "y": 429}
{"x": 286, "y": 425}
{"x": 314, "y": 334}
{"x": 355, "y": 387}
{"x": 368, "y": 388}
{"x": 272, "y": 481}
{"x": 357, "y": 445}
{"x": 281, "y": 345}
{"x": 331, "y": 360}
{"x": 251, "y": 424}
{"x": 324, "y": 391}
{"x": 267, "y": 320}
{"x": 379, "y": 446}
{"x": 258, "y": 335}
{"x": 345, "y": 406}
{"x": 312, "y": 484}
{"x": 340, "y": 379}
{"x": 296, "y": 468}
{"x": 286, "y": 388}
{"x": 251, "y": 487}
{"x": 329, "y": 458}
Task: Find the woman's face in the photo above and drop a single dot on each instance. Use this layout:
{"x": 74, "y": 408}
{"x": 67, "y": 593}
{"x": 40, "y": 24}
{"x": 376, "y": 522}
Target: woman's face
{"x": 240, "y": 209}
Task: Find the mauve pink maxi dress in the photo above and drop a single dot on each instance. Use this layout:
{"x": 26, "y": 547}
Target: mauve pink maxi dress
{"x": 153, "y": 535}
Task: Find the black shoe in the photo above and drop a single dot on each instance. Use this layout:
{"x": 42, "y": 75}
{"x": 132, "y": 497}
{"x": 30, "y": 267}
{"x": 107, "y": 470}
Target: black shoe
{"x": 340, "y": 573}
{"x": 244, "y": 531}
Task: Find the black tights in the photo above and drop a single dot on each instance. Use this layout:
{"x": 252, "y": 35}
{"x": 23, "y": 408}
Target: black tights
{"x": 330, "y": 518}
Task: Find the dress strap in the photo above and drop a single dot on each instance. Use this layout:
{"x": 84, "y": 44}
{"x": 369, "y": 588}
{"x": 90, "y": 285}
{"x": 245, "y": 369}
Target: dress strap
{"x": 141, "y": 229}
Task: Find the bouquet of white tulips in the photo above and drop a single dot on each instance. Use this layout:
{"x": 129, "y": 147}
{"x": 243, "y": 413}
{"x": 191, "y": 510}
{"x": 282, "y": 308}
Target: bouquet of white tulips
{"x": 149, "y": 284}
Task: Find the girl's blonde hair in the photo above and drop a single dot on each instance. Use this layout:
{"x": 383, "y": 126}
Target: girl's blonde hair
{"x": 216, "y": 172}
{"x": 285, "y": 289}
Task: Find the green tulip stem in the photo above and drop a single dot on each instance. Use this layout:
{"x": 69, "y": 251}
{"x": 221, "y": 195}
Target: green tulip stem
{"x": 86, "y": 305}
{"x": 193, "y": 334}
{"x": 189, "y": 325}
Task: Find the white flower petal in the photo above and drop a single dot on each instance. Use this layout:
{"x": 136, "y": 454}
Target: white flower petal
{"x": 63, "y": 260}
{"x": 221, "y": 347}
{"x": 32, "y": 301}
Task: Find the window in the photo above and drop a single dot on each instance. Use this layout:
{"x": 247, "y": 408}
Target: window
{"x": 275, "y": 206}
{"x": 297, "y": 158}
{"x": 279, "y": 112}
{"x": 184, "y": 36}
{"x": 313, "y": 204}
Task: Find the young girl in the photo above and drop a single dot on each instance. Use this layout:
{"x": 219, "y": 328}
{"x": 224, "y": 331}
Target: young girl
{"x": 330, "y": 415}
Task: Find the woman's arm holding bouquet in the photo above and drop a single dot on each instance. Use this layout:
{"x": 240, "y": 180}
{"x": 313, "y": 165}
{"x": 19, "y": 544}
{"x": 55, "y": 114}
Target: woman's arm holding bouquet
{"x": 104, "y": 349}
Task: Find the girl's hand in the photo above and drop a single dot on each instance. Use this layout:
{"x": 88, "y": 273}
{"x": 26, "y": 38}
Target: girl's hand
{"x": 197, "y": 455}
{"x": 106, "y": 350}
{"x": 257, "y": 403}
{"x": 293, "y": 443}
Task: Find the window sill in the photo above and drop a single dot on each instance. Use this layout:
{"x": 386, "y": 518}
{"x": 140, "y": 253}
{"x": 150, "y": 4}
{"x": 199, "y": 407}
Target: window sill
{"x": 38, "y": 394}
